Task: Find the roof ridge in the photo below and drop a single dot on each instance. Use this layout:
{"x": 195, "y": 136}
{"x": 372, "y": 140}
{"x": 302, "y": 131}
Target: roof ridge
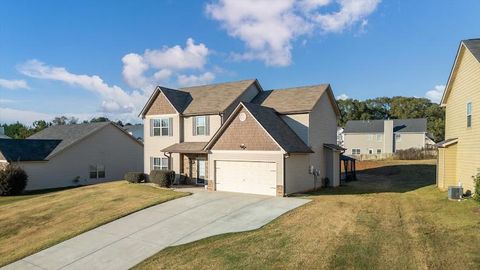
{"x": 299, "y": 87}
{"x": 219, "y": 83}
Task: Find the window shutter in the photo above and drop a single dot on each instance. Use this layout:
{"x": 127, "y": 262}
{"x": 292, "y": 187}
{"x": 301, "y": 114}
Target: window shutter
{"x": 170, "y": 126}
{"x": 194, "y": 126}
{"x": 151, "y": 164}
{"x": 151, "y": 127}
{"x": 207, "y": 125}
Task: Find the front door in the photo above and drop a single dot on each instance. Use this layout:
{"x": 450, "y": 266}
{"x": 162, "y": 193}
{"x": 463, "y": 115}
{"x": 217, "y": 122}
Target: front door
{"x": 200, "y": 171}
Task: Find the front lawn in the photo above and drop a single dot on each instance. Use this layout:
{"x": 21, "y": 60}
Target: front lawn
{"x": 30, "y": 223}
{"x": 392, "y": 218}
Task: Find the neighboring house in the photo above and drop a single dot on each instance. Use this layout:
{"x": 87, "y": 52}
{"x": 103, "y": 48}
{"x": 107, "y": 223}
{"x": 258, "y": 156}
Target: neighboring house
{"x": 236, "y": 137}
{"x": 135, "y": 130}
{"x": 458, "y": 155}
{"x": 381, "y": 138}
{"x": 69, "y": 155}
{"x": 2, "y": 134}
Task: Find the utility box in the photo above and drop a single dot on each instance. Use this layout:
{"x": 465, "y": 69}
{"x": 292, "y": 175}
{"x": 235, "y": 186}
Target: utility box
{"x": 455, "y": 193}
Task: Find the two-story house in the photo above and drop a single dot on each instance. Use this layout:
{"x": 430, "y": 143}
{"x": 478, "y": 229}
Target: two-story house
{"x": 458, "y": 158}
{"x": 237, "y": 137}
{"x": 381, "y": 138}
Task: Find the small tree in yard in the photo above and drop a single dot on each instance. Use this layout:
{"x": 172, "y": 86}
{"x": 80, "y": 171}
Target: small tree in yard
{"x": 476, "y": 193}
{"x": 13, "y": 180}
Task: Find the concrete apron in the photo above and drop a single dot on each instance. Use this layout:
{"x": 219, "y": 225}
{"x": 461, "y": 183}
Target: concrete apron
{"x": 128, "y": 241}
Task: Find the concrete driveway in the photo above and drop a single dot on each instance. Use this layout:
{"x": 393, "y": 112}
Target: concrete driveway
{"x": 125, "y": 242}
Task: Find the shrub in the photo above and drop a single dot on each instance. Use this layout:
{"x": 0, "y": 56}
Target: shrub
{"x": 163, "y": 178}
{"x": 135, "y": 177}
{"x": 476, "y": 192}
{"x": 13, "y": 180}
{"x": 415, "y": 154}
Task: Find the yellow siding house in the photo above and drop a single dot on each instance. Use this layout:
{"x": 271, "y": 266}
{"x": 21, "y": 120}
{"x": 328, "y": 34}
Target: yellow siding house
{"x": 459, "y": 154}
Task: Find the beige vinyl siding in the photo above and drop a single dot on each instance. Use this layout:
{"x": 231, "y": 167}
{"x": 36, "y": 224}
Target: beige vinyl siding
{"x": 110, "y": 147}
{"x": 363, "y": 142}
{"x": 297, "y": 178}
{"x": 323, "y": 129}
{"x": 299, "y": 124}
{"x": 410, "y": 140}
{"x": 153, "y": 144}
{"x": 465, "y": 87}
{"x": 447, "y": 167}
{"x": 215, "y": 122}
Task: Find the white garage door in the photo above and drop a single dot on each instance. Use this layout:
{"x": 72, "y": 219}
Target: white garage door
{"x": 246, "y": 177}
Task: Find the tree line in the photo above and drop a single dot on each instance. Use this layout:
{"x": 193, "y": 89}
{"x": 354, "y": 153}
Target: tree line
{"x": 395, "y": 108}
{"x": 20, "y": 131}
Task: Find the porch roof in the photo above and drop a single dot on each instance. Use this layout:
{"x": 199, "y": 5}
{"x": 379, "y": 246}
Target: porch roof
{"x": 186, "y": 147}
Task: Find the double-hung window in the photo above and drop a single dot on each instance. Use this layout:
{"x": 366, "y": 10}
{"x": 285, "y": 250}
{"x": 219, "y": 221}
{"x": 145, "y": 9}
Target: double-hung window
{"x": 160, "y": 163}
{"x": 355, "y": 151}
{"x": 161, "y": 127}
{"x": 201, "y": 125}
{"x": 97, "y": 171}
{"x": 379, "y": 151}
{"x": 469, "y": 114}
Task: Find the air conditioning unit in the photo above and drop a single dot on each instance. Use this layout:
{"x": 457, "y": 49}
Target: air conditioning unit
{"x": 455, "y": 193}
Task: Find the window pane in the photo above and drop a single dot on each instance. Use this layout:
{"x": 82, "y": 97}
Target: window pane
{"x": 200, "y": 120}
{"x": 156, "y": 131}
{"x": 469, "y": 108}
{"x": 101, "y": 171}
{"x": 200, "y": 130}
{"x": 164, "y": 131}
{"x": 469, "y": 121}
{"x": 164, "y": 122}
{"x": 156, "y": 122}
{"x": 93, "y": 172}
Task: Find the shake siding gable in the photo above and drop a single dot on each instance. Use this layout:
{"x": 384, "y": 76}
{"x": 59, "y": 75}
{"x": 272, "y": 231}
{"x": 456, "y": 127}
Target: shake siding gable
{"x": 465, "y": 87}
{"x": 161, "y": 106}
{"x": 248, "y": 133}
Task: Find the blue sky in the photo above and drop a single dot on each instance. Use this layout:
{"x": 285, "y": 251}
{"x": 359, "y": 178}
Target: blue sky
{"x": 92, "y": 58}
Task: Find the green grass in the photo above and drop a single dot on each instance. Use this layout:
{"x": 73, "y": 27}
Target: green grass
{"x": 35, "y": 221}
{"x": 392, "y": 218}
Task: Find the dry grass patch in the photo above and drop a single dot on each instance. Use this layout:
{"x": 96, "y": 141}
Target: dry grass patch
{"x": 33, "y": 222}
{"x": 385, "y": 220}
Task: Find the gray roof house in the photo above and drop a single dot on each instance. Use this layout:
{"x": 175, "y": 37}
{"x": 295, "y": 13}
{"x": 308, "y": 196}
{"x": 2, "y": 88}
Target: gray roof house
{"x": 69, "y": 155}
{"x": 381, "y": 138}
{"x": 237, "y": 137}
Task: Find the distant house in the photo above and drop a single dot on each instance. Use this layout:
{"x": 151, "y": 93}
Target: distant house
{"x": 381, "y": 138}
{"x": 2, "y": 134}
{"x": 69, "y": 155}
{"x": 458, "y": 155}
{"x": 135, "y": 130}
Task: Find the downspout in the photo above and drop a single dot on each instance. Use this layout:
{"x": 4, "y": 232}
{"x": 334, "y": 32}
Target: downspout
{"x": 284, "y": 182}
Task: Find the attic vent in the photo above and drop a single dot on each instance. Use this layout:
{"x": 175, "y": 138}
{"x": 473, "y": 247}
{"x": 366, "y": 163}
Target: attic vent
{"x": 242, "y": 116}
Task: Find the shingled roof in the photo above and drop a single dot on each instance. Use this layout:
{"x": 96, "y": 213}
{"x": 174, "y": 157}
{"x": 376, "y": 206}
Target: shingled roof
{"x": 268, "y": 118}
{"x": 68, "y": 134}
{"x": 473, "y": 45}
{"x": 203, "y": 99}
{"x": 26, "y": 150}
{"x": 291, "y": 100}
{"x": 376, "y": 126}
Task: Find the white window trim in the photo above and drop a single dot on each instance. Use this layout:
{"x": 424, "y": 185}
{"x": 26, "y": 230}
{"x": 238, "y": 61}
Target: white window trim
{"x": 97, "y": 171}
{"x": 197, "y": 125}
{"x": 469, "y": 114}
{"x": 161, "y": 127}
{"x": 370, "y": 151}
{"x": 356, "y": 151}
{"x": 379, "y": 151}
{"x": 163, "y": 163}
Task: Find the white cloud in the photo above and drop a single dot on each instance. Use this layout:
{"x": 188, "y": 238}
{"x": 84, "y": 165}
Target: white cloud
{"x": 435, "y": 94}
{"x": 13, "y": 84}
{"x": 114, "y": 98}
{"x": 9, "y": 115}
{"x": 189, "y": 80}
{"x": 164, "y": 63}
{"x": 269, "y": 27}
{"x": 343, "y": 97}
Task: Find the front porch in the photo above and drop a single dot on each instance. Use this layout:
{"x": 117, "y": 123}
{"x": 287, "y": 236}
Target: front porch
{"x": 193, "y": 162}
